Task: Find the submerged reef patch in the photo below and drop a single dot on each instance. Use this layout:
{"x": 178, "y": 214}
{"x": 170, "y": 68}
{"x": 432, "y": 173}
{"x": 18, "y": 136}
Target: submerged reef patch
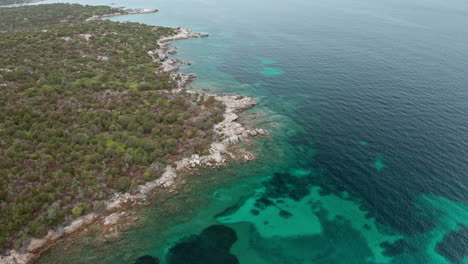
{"x": 270, "y": 71}
{"x": 399, "y": 246}
{"x": 285, "y": 214}
{"x": 285, "y": 185}
{"x": 147, "y": 259}
{"x": 291, "y": 209}
{"x": 378, "y": 164}
{"x": 454, "y": 246}
{"x": 211, "y": 246}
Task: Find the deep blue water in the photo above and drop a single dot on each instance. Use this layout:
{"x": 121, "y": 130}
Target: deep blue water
{"x": 367, "y": 103}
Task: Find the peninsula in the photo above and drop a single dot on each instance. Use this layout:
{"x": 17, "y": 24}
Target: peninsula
{"x": 93, "y": 118}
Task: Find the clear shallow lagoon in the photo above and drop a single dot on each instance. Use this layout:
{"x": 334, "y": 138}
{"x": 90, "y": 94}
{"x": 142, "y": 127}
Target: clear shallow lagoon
{"x": 369, "y": 160}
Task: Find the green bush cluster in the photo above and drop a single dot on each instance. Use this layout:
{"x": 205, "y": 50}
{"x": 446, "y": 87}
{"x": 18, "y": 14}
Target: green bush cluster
{"x": 82, "y": 118}
{"x": 79, "y": 210}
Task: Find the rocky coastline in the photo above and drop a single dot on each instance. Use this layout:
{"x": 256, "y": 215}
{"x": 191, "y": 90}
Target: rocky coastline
{"x": 113, "y": 218}
{"x": 22, "y": 3}
{"x": 122, "y": 11}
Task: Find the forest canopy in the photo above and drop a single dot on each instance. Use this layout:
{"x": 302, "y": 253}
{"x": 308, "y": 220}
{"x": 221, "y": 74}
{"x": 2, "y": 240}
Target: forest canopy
{"x": 85, "y": 113}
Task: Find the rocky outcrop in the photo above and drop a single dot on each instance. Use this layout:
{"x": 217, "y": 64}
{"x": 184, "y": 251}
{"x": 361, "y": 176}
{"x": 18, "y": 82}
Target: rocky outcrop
{"x": 170, "y": 66}
{"x": 86, "y": 37}
{"x": 232, "y": 133}
{"x": 36, "y": 246}
{"x": 112, "y": 219}
{"x": 15, "y": 257}
{"x": 162, "y": 54}
{"x": 183, "y": 33}
{"x": 184, "y": 79}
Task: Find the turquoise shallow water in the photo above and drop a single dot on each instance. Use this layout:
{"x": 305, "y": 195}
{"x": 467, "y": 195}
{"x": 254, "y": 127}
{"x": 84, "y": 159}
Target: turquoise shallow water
{"x": 367, "y": 161}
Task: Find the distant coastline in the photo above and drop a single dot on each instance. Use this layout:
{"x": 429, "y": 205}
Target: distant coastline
{"x": 6, "y": 3}
{"x": 127, "y": 11}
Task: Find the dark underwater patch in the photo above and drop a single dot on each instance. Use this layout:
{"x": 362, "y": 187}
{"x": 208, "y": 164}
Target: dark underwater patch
{"x": 254, "y": 212}
{"x": 283, "y": 185}
{"x": 147, "y": 259}
{"x": 454, "y": 246}
{"x": 285, "y": 214}
{"x": 230, "y": 209}
{"x": 396, "y": 248}
{"x": 263, "y": 203}
{"x": 212, "y": 246}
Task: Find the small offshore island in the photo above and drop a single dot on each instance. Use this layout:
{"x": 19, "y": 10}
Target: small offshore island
{"x": 93, "y": 120}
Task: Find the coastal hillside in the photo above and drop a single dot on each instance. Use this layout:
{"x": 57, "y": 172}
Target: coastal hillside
{"x": 30, "y": 18}
{"x": 85, "y": 112}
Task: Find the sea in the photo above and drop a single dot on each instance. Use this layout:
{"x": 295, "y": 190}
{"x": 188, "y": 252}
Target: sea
{"x": 366, "y": 103}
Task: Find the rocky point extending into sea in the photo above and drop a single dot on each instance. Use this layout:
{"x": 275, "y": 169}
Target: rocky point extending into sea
{"x": 114, "y": 219}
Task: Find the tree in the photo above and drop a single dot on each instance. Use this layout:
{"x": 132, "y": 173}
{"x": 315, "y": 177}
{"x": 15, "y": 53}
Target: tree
{"x": 123, "y": 183}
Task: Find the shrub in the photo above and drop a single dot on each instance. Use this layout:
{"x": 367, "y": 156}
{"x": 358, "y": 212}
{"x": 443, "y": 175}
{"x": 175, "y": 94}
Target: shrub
{"x": 123, "y": 183}
{"x": 79, "y": 210}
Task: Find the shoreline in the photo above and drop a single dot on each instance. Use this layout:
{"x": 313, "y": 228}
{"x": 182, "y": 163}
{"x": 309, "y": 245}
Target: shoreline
{"x": 114, "y": 215}
{"x": 126, "y": 11}
{"x": 23, "y": 3}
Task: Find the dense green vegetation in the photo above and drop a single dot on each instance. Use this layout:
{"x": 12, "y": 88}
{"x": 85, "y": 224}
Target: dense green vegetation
{"x": 28, "y": 18}
{"x": 84, "y": 112}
